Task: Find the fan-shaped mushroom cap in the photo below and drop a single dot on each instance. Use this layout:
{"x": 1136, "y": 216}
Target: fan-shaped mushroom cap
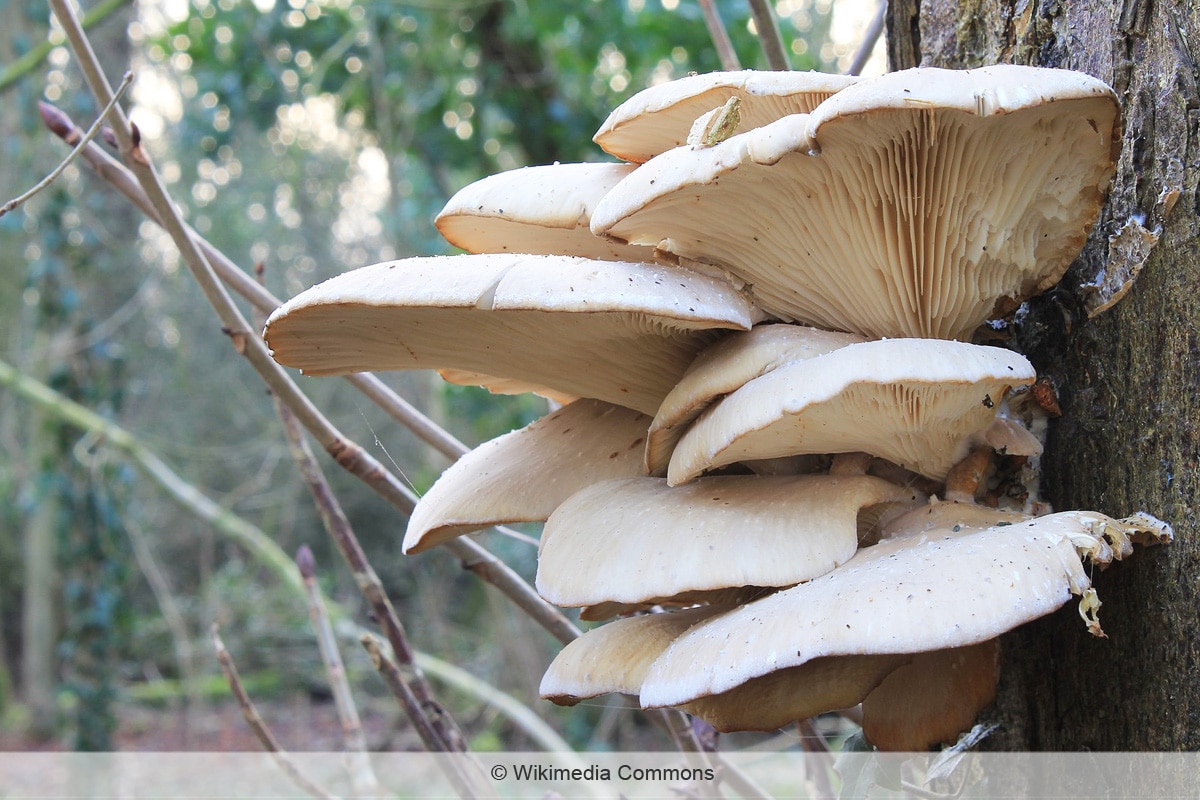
{"x": 910, "y": 702}
{"x": 632, "y": 539}
{"x": 726, "y": 366}
{"x": 905, "y": 205}
{"x": 615, "y": 656}
{"x": 546, "y": 209}
{"x": 658, "y": 118}
{"x": 917, "y": 402}
{"x": 1008, "y": 436}
{"x": 789, "y": 695}
{"x": 524, "y": 475}
{"x": 609, "y": 330}
{"x": 917, "y": 593}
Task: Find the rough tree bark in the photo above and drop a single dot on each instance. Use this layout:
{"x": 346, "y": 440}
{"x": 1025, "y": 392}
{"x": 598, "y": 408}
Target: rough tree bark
{"x": 1128, "y": 379}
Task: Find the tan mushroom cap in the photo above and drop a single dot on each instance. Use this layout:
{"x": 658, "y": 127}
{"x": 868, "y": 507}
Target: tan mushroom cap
{"x": 524, "y": 475}
{"x": 912, "y": 204}
{"x": 933, "y": 699}
{"x": 725, "y": 366}
{"x": 633, "y": 539}
{"x": 918, "y": 402}
{"x": 786, "y": 696}
{"x": 608, "y": 330}
{"x": 919, "y": 593}
{"x": 462, "y": 377}
{"x": 614, "y": 657}
{"x": 658, "y": 118}
{"x": 545, "y": 209}
{"x": 910, "y": 702}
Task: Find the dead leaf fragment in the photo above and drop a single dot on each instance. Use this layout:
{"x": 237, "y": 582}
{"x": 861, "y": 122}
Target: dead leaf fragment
{"x": 1128, "y": 250}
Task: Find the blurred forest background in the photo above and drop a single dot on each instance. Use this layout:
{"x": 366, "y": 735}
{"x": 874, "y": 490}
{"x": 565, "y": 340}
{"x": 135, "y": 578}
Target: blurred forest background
{"x": 309, "y": 137}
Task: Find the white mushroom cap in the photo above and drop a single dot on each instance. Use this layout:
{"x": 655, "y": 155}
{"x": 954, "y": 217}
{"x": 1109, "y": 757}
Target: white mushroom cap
{"x": 948, "y": 515}
{"x": 906, "y": 205}
{"x": 615, "y": 656}
{"x": 633, "y": 539}
{"x": 918, "y": 593}
{"x": 658, "y": 118}
{"x": 918, "y": 402}
{"x": 614, "y": 331}
{"x": 524, "y": 475}
{"x": 546, "y": 209}
{"x": 725, "y": 366}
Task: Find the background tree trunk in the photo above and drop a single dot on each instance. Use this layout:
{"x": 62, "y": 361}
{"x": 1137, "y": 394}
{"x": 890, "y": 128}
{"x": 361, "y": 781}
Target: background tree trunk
{"x": 1128, "y": 379}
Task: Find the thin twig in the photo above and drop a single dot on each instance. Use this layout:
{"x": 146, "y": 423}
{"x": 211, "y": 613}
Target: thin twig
{"x": 447, "y": 737}
{"x": 256, "y": 723}
{"x": 476, "y": 559}
{"x": 180, "y": 491}
{"x": 768, "y": 34}
{"x": 361, "y": 775}
{"x": 468, "y": 783}
{"x": 870, "y": 37}
{"x": 180, "y": 641}
{"x": 17, "y": 202}
{"x": 400, "y": 687}
{"x": 247, "y": 343}
{"x": 719, "y": 36}
{"x": 445, "y": 733}
{"x": 817, "y": 757}
{"x": 520, "y": 715}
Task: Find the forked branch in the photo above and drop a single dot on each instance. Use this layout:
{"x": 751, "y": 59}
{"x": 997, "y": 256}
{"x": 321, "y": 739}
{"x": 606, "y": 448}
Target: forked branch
{"x": 259, "y": 726}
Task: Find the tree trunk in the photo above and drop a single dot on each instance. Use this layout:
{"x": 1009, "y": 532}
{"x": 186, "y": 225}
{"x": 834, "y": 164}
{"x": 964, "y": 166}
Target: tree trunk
{"x": 1128, "y": 378}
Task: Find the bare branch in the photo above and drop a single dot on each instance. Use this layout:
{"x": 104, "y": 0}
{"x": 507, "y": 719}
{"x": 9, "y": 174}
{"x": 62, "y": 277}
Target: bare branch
{"x": 181, "y": 642}
{"x": 491, "y": 569}
{"x": 248, "y": 344}
{"x": 768, "y": 34}
{"x": 519, "y": 714}
{"x": 17, "y": 202}
{"x": 468, "y": 783}
{"x": 121, "y": 179}
{"x": 256, "y": 723}
{"x": 870, "y": 37}
{"x": 817, "y": 759}
{"x": 719, "y": 35}
{"x": 361, "y": 774}
{"x": 444, "y": 733}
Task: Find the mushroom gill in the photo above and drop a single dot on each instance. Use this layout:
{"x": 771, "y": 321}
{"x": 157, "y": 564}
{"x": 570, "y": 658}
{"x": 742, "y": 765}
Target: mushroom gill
{"x": 905, "y": 205}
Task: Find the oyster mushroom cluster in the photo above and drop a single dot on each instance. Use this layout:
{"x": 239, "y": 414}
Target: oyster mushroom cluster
{"x": 774, "y": 428}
